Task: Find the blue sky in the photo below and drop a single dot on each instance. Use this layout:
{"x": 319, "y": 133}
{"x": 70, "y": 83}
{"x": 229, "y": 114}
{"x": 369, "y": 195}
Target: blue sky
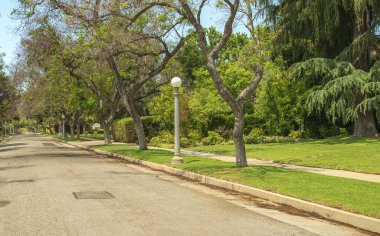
{"x": 8, "y": 36}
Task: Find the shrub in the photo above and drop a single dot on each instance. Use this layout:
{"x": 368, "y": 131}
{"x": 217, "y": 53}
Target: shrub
{"x": 230, "y": 142}
{"x": 343, "y": 132}
{"x": 185, "y": 142}
{"x": 164, "y": 137}
{"x": 329, "y": 132}
{"x": 124, "y": 130}
{"x": 295, "y": 134}
{"x": 212, "y": 138}
{"x": 267, "y": 139}
{"x": 206, "y": 141}
{"x": 215, "y": 138}
{"x": 255, "y": 132}
{"x": 255, "y": 136}
{"x": 194, "y": 137}
{"x": 249, "y": 139}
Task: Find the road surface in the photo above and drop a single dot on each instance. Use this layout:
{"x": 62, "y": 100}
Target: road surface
{"x": 48, "y": 188}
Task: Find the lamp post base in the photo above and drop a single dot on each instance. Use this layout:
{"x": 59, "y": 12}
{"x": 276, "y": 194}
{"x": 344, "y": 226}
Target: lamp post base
{"x": 177, "y": 160}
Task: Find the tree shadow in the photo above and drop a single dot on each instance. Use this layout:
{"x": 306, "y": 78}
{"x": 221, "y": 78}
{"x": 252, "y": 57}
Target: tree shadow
{"x": 15, "y": 167}
{"x": 18, "y": 181}
{"x": 4, "y": 203}
{"x": 8, "y": 149}
{"x": 12, "y": 144}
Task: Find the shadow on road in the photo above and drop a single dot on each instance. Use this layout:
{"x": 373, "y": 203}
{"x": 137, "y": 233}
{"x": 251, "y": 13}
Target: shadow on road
{"x": 18, "y": 181}
{"x": 15, "y": 167}
{"x": 12, "y": 144}
{"x": 8, "y": 149}
{"x": 4, "y": 203}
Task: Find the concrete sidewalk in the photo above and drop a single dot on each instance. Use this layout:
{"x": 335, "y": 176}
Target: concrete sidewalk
{"x": 257, "y": 162}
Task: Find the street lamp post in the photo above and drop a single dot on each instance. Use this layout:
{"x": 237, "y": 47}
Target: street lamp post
{"x": 177, "y": 159}
{"x": 63, "y": 125}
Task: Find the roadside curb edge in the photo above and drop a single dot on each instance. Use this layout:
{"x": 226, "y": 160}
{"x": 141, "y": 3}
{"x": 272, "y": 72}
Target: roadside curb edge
{"x": 356, "y": 220}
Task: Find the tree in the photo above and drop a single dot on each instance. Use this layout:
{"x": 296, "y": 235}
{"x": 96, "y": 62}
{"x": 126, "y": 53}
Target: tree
{"x": 136, "y": 49}
{"x": 347, "y": 31}
{"x": 334, "y": 97}
{"x": 211, "y": 52}
{"x": 8, "y": 95}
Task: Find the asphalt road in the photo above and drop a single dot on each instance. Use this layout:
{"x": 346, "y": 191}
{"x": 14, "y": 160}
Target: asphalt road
{"x": 47, "y": 188}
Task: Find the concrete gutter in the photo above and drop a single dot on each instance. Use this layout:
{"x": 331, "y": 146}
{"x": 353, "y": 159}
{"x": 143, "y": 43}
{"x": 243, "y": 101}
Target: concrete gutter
{"x": 356, "y": 220}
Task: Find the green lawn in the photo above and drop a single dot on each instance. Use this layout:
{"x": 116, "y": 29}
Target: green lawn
{"x": 352, "y": 195}
{"x": 360, "y": 155}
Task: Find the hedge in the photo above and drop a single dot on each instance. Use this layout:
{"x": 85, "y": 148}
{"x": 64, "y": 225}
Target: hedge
{"x": 123, "y": 130}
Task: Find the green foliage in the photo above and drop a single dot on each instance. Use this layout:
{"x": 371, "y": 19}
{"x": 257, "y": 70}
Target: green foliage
{"x": 124, "y": 130}
{"x": 212, "y": 138}
{"x": 255, "y": 132}
{"x": 185, "y": 142}
{"x": 340, "y": 83}
{"x": 332, "y": 131}
{"x": 162, "y": 139}
{"x": 251, "y": 139}
{"x": 162, "y": 107}
{"x": 8, "y": 97}
{"x": 194, "y": 137}
{"x": 166, "y": 139}
{"x": 205, "y": 102}
{"x": 295, "y": 134}
{"x": 343, "y": 132}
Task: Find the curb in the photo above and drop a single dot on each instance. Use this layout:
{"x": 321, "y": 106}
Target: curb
{"x": 356, "y": 220}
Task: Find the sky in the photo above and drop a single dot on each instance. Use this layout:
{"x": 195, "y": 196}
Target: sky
{"x": 8, "y": 37}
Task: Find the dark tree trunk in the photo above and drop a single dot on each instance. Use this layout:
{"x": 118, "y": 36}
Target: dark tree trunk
{"x": 78, "y": 130}
{"x": 238, "y": 136}
{"x": 365, "y": 126}
{"x": 72, "y": 125}
{"x": 139, "y": 128}
{"x": 60, "y": 127}
{"x": 365, "y": 123}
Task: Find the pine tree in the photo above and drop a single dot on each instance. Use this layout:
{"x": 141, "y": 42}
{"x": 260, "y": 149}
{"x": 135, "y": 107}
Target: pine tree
{"x": 332, "y": 25}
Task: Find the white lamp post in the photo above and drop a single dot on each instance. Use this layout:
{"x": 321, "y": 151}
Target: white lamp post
{"x": 63, "y": 125}
{"x": 177, "y": 159}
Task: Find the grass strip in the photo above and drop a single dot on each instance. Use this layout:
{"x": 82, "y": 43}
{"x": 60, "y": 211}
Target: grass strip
{"x": 348, "y": 194}
{"x": 352, "y": 154}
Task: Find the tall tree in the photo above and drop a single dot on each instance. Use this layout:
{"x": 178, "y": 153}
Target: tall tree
{"x": 346, "y": 30}
{"x": 136, "y": 49}
{"x": 193, "y": 12}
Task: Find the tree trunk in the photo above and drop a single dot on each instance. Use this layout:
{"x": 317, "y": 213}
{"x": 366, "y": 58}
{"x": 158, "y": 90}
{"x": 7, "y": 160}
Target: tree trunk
{"x": 78, "y": 130}
{"x": 60, "y": 127}
{"x": 365, "y": 126}
{"x": 238, "y": 136}
{"x": 139, "y": 128}
{"x": 106, "y": 132}
{"x": 72, "y": 125}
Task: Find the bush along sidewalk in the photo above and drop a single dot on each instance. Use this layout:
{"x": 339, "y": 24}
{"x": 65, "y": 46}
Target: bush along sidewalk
{"x": 351, "y": 202}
